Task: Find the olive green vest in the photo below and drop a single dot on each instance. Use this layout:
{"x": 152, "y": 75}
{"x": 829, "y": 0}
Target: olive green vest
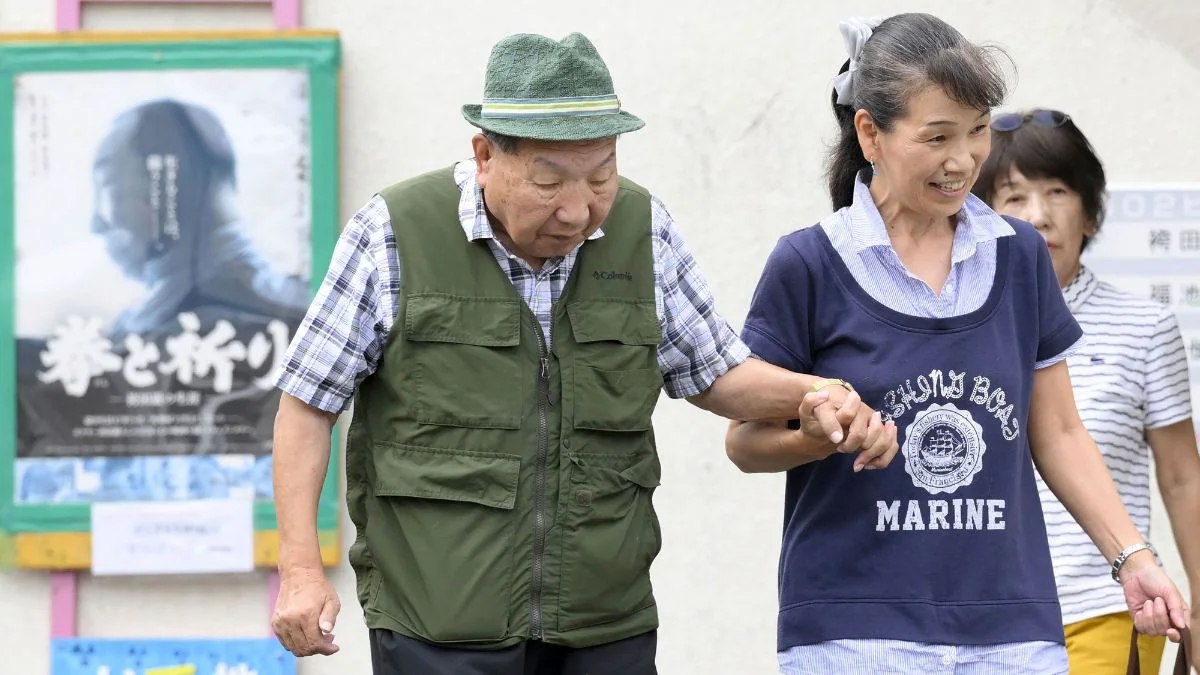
{"x": 502, "y": 492}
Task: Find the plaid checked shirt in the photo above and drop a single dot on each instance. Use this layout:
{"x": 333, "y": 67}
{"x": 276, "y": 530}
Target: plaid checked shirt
{"x": 342, "y": 338}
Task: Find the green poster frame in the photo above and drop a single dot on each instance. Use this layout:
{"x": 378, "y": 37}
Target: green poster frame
{"x": 47, "y": 536}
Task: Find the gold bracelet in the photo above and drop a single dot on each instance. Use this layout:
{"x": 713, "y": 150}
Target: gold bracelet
{"x": 829, "y": 382}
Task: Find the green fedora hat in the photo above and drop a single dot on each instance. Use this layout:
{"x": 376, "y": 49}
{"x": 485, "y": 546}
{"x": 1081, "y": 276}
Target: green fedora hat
{"x": 551, "y": 91}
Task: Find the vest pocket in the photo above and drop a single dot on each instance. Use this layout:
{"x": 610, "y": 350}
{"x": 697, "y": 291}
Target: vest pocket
{"x": 610, "y": 537}
{"x": 466, "y": 365}
{"x": 616, "y": 376}
{"x": 441, "y": 534}
{"x": 615, "y": 400}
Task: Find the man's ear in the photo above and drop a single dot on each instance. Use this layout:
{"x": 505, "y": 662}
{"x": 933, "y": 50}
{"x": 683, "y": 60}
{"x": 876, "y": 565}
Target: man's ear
{"x": 484, "y": 154}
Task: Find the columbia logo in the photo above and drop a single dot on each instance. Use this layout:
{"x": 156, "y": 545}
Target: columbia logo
{"x": 601, "y": 275}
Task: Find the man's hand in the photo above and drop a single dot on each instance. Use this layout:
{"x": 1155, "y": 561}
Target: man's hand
{"x": 1155, "y": 603}
{"x": 842, "y": 420}
{"x": 306, "y": 612}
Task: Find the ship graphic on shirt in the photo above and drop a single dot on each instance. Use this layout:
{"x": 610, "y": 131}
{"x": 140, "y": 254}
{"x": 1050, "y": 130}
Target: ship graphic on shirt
{"x": 943, "y": 448}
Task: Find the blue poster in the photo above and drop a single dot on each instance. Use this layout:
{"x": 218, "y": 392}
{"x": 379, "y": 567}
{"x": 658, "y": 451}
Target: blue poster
{"x": 83, "y": 656}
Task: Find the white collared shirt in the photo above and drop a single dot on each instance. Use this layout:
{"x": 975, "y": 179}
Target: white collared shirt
{"x": 860, "y": 237}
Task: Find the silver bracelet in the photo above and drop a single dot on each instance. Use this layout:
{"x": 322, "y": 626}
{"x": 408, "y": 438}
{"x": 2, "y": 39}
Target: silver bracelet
{"x": 1124, "y": 555}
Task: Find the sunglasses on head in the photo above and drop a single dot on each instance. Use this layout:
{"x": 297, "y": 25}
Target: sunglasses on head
{"x": 1014, "y": 121}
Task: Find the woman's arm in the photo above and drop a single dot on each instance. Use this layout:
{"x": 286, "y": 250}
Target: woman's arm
{"x": 1074, "y": 470}
{"x": 771, "y": 447}
{"x": 1177, "y": 467}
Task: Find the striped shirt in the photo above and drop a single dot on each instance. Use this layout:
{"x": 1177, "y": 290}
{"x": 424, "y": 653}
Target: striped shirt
{"x": 1132, "y": 375}
{"x": 861, "y": 239}
{"x": 896, "y": 656}
{"x": 859, "y": 235}
{"x": 342, "y": 337}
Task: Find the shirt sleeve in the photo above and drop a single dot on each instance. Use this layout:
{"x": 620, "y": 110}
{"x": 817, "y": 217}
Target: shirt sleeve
{"x": 698, "y": 345}
{"x": 778, "y": 328}
{"x": 1168, "y": 397}
{"x": 341, "y": 339}
{"x": 1063, "y": 355}
{"x": 1060, "y": 334}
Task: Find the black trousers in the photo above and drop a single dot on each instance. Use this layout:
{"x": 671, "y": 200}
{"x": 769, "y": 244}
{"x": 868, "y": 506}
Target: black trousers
{"x": 395, "y": 654}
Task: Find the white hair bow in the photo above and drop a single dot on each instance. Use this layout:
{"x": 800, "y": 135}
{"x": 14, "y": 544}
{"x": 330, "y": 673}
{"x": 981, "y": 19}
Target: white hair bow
{"x": 854, "y": 33}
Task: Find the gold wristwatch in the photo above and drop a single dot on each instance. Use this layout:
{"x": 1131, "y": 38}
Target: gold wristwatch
{"x": 830, "y": 382}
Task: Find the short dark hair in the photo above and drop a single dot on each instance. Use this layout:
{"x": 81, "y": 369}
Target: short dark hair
{"x": 1040, "y": 151}
{"x": 506, "y": 144}
{"x": 905, "y": 54}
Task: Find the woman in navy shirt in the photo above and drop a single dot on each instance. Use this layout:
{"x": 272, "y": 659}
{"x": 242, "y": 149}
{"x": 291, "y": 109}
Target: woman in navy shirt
{"x": 948, "y": 321}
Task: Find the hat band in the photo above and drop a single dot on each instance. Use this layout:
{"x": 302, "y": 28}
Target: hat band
{"x": 578, "y": 106}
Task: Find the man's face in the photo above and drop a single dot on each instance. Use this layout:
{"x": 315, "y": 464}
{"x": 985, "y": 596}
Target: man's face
{"x": 123, "y": 215}
{"x": 547, "y": 198}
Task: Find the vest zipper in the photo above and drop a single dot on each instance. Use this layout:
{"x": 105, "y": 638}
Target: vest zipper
{"x": 539, "y": 496}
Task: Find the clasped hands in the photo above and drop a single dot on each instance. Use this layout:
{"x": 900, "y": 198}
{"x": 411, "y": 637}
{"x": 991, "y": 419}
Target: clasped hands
{"x": 836, "y": 416}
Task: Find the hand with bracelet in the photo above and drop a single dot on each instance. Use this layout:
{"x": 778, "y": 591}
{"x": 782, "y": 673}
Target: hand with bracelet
{"x": 833, "y": 419}
{"x": 1154, "y": 602}
{"x": 834, "y": 413}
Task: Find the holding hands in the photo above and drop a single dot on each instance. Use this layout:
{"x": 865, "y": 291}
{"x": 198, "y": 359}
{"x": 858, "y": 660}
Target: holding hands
{"x": 836, "y": 415}
{"x": 833, "y": 419}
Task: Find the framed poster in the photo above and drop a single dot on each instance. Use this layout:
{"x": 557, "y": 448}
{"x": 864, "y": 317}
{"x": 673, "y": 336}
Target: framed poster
{"x": 167, "y": 207}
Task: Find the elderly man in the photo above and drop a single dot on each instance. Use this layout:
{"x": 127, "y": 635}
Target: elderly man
{"x": 505, "y": 326}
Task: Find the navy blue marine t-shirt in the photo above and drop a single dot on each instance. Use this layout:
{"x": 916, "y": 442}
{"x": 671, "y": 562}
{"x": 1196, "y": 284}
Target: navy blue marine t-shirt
{"x": 947, "y": 544}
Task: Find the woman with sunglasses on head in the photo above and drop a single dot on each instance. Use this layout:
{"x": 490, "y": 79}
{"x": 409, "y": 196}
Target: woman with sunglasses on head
{"x": 948, "y": 320}
{"x": 1130, "y": 381}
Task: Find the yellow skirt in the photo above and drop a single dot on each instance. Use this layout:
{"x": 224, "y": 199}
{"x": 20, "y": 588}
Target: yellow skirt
{"x": 1100, "y": 646}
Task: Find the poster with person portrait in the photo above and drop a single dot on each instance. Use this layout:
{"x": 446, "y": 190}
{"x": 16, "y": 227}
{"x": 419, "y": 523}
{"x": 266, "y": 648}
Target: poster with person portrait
{"x": 168, "y": 208}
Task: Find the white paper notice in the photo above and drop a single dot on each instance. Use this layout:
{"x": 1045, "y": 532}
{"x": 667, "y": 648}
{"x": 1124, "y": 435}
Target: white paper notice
{"x": 1150, "y": 246}
{"x": 172, "y": 537}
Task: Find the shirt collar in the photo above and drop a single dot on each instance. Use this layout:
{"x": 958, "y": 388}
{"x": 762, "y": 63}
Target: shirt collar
{"x": 472, "y": 212}
{"x": 977, "y": 223}
{"x": 1080, "y": 289}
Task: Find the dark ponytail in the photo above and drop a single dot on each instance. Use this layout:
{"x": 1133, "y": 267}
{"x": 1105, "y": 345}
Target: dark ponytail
{"x": 904, "y": 54}
{"x": 846, "y": 159}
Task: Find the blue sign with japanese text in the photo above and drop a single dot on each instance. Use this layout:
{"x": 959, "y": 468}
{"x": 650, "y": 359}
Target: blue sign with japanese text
{"x": 82, "y": 656}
